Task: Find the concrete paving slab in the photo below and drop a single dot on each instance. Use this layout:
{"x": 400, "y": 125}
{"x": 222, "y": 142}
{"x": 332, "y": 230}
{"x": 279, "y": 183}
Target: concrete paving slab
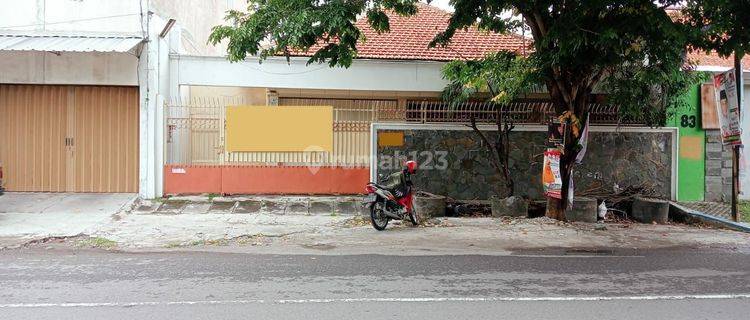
{"x": 324, "y": 207}
{"x": 23, "y": 202}
{"x": 248, "y": 206}
{"x": 274, "y": 206}
{"x": 146, "y": 207}
{"x": 299, "y": 207}
{"x": 39, "y": 215}
{"x": 18, "y": 202}
{"x": 143, "y": 231}
{"x": 196, "y": 208}
{"x": 56, "y": 224}
{"x": 348, "y": 207}
{"x": 86, "y": 203}
{"x": 172, "y": 206}
{"x": 221, "y": 207}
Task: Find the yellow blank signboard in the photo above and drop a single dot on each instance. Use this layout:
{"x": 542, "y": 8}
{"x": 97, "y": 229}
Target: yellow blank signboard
{"x": 279, "y": 129}
{"x": 391, "y": 139}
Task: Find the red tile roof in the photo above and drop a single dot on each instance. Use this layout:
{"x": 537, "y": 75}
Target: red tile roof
{"x": 410, "y": 36}
{"x": 712, "y": 59}
{"x": 707, "y": 59}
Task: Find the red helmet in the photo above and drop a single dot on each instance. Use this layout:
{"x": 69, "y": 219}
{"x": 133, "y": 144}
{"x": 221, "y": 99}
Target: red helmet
{"x": 410, "y": 166}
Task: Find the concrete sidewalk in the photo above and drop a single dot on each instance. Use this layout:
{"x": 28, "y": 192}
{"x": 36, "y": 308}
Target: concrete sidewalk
{"x": 30, "y": 216}
{"x": 297, "y": 234}
{"x": 46, "y": 203}
{"x": 198, "y": 224}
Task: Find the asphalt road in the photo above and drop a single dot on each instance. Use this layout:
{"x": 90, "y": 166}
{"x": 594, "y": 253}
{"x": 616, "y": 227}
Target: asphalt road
{"x": 554, "y": 284}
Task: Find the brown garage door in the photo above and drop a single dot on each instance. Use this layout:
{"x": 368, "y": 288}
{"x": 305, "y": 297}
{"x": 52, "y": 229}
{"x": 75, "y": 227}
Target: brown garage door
{"x": 69, "y": 138}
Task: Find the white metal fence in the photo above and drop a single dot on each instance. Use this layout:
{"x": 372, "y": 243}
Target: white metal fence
{"x": 195, "y": 127}
{"x": 195, "y": 133}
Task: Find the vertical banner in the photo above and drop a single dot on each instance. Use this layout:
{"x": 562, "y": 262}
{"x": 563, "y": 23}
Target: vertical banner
{"x": 551, "y": 177}
{"x": 744, "y": 169}
{"x": 727, "y": 108}
{"x": 745, "y": 152}
{"x": 583, "y": 142}
{"x": 555, "y": 133}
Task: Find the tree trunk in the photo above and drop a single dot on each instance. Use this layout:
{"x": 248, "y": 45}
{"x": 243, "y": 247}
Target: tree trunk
{"x": 510, "y": 186}
{"x": 556, "y": 207}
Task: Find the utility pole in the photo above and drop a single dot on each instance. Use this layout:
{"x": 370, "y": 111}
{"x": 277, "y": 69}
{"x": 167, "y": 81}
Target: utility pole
{"x": 736, "y": 148}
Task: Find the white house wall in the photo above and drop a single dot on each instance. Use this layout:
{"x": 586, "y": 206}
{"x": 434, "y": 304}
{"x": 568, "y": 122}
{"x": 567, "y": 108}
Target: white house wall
{"x": 196, "y": 18}
{"x": 377, "y": 75}
{"x": 122, "y": 16}
{"x": 89, "y": 68}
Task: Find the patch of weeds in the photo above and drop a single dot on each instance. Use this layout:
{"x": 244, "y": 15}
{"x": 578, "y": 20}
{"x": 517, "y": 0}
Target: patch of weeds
{"x": 432, "y": 222}
{"x": 745, "y": 210}
{"x": 356, "y": 221}
{"x": 211, "y": 242}
{"x": 216, "y": 242}
{"x": 211, "y": 196}
{"x": 173, "y": 245}
{"x": 196, "y": 243}
{"x": 252, "y": 240}
{"x": 97, "y": 242}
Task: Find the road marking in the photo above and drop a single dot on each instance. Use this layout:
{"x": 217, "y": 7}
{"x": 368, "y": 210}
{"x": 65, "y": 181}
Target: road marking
{"x": 356, "y": 300}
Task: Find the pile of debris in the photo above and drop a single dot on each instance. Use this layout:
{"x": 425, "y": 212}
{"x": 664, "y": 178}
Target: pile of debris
{"x": 612, "y": 204}
{"x": 618, "y": 201}
{"x": 617, "y": 196}
{"x": 467, "y": 208}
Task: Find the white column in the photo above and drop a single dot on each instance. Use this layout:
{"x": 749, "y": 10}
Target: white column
{"x": 174, "y": 70}
{"x": 149, "y": 152}
{"x": 164, "y": 91}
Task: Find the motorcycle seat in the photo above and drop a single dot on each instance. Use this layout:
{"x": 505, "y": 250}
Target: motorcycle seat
{"x": 384, "y": 187}
{"x": 379, "y": 186}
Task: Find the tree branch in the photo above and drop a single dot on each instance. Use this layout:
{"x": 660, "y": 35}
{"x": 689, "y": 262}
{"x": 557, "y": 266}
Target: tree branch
{"x": 562, "y": 88}
{"x": 540, "y": 22}
{"x": 495, "y": 159}
{"x": 535, "y": 30}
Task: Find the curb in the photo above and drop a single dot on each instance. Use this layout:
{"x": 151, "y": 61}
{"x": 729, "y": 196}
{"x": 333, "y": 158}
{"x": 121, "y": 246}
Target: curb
{"x": 721, "y": 222}
{"x": 277, "y": 205}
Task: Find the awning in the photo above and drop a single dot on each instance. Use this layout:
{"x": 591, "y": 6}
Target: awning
{"x": 68, "y": 43}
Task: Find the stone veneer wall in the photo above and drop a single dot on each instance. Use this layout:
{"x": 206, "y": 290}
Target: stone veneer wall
{"x": 718, "y": 168}
{"x": 625, "y": 158}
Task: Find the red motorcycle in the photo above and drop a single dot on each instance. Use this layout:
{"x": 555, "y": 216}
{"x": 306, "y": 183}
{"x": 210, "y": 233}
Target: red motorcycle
{"x": 392, "y": 200}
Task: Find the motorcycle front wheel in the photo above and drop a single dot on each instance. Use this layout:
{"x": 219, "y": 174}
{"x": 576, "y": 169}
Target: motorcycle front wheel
{"x": 414, "y": 217}
{"x": 378, "y": 219}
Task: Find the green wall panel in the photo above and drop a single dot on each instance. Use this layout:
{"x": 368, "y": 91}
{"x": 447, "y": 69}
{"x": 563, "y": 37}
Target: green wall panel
{"x": 691, "y": 155}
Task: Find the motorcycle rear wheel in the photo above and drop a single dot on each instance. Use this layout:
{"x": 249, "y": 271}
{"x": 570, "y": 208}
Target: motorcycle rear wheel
{"x": 378, "y": 219}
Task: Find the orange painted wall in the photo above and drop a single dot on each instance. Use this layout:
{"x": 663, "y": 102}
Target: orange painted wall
{"x": 264, "y": 180}
{"x": 194, "y": 180}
